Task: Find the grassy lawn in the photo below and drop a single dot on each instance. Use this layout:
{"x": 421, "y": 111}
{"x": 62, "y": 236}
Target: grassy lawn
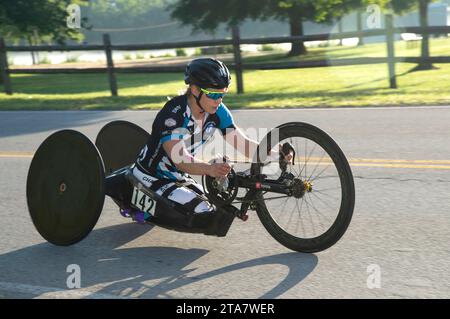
{"x": 363, "y": 85}
{"x": 438, "y": 47}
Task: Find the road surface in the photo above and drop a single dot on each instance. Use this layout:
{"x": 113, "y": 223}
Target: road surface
{"x": 397, "y": 245}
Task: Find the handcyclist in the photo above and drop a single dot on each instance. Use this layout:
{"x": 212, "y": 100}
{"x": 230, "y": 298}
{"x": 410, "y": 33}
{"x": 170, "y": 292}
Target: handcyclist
{"x": 181, "y": 127}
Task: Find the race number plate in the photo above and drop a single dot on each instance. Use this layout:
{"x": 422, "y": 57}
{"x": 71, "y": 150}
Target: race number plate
{"x": 143, "y": 201}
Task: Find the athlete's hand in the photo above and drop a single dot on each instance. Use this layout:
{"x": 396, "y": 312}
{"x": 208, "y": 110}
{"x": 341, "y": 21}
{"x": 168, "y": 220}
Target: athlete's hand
{"x": 277, "y": 153}
{"x": 218, "y": 169}
{"x": 287, "y": 151}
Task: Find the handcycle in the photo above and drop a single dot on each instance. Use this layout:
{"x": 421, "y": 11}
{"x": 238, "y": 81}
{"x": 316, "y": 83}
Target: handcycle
{"x": 305, "y": 205}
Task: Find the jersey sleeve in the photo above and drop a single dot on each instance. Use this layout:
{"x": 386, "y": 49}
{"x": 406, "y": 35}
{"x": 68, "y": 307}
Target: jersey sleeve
{"x": 226, "y": 121}
{"x": 169, "y": 126}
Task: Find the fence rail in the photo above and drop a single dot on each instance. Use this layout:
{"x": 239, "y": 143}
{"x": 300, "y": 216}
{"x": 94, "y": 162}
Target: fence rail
{"x": 238, "y": 66}
{"x": 248, "y": 66}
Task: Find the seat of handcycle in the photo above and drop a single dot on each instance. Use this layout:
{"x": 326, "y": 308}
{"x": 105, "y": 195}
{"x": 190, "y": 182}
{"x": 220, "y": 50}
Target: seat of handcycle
{"x": 168, "y": 214}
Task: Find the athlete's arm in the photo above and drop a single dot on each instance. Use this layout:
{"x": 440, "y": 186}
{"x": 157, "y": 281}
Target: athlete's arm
{"x": 241, "y": 142}
{"x": 248, "y": 146}
{"x": 185, "y": 162}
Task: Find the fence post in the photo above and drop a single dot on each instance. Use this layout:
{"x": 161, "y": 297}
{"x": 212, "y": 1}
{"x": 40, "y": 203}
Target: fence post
{"x": 390, "y": 50}
{"x": 237, "y": 59}
{"x": 110, "y": 64}
{"x": 4, "y": 70}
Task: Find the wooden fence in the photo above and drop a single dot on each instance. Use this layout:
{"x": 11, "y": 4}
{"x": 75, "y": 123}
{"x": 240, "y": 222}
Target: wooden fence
{"x": 236, "y": 41}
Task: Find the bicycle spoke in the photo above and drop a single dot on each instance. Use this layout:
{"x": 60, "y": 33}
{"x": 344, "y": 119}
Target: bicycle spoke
{"x": 332, "y": 208}
{"x": 301, "y": 219}
{"x": 325, "y": 193}
{"x": 310, "y": 217}
{"x": 290, "y": 216}
{"x": 309, "y": 156}
{"x": 318, "y": 213}
{"x": 292, "y": 168}
{"x": 328, "y": 166}
{"x": 324, "y": 177}
{"x": 299, "y": 166}
{"x": 305, "y": 160}
{"x": 284, "y": 206}
{"x": 324, "y": 190}
{"x": 317, "y": 165}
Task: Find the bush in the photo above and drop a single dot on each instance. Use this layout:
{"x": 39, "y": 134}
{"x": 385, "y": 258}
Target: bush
{"x": 71, "y": 59}
{"x": 180, "y": 52}
{"x": 197, "y": 52}
{"x": 324, "y": 44}
{"x": 127, "y": 56}
{"x": 228, "y": 49}
{"x": 139, "y": 56}
{"x": 44, "y": 60}
{"x": 267, "y": 47}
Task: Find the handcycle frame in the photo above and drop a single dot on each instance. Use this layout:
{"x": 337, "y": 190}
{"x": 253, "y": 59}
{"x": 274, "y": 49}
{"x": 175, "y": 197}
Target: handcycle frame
{"x": 69, "y": 177}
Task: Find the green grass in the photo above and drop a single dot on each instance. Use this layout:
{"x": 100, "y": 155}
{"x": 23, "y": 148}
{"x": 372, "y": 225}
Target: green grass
{"x": 363, "y": 85}
{"x": 438, "y": 47}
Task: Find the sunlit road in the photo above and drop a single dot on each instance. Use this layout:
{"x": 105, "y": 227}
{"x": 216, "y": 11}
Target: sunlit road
{"x": 397, "y": 245}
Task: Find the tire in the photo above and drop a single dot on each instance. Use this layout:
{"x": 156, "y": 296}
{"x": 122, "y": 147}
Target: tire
{"x": 347, "y": 191}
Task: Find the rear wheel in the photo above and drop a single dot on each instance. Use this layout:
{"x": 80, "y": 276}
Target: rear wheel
{"x": 119, "y": 143}
{"x": 65, "y": 187}
{"x": 318, "y": 211}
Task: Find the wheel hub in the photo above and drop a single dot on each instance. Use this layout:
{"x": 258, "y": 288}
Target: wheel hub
{"x": 299, "y": 188}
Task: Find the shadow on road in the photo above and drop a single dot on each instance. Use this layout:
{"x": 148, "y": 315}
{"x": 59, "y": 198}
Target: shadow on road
{"x": 143, "y": 272}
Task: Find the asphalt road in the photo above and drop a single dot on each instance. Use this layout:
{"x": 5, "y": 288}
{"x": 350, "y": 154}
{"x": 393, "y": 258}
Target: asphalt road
{"x": 397, "y": 245}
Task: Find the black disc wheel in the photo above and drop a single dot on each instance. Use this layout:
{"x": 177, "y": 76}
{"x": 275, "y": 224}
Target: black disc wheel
{"x": 65, "y": 187}
{"x": 318, "y": 209}
{"x": 119, "y": 143}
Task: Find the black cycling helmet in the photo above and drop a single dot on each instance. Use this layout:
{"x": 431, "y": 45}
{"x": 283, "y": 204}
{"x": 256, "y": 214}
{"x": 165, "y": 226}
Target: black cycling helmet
{"x": 207, "y": 73}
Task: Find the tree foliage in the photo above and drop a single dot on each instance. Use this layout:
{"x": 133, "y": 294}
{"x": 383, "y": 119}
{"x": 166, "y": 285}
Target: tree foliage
{"x": 45, "y": 18}
{"x": 209, "y": 14}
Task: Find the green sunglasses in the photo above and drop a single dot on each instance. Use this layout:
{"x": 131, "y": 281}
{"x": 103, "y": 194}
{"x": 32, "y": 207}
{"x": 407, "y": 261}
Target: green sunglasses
{"x": 213, "y": 95}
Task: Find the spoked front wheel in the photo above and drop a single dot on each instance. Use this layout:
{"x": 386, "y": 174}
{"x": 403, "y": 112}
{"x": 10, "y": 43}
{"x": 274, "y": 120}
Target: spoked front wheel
{"x": 318, "y": 209}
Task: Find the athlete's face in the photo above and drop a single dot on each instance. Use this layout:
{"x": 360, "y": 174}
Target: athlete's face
{"x": 210, "y": 104}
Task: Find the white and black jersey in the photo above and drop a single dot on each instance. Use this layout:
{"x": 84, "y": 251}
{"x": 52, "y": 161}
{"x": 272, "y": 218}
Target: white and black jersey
{"x": 175, "y": 122}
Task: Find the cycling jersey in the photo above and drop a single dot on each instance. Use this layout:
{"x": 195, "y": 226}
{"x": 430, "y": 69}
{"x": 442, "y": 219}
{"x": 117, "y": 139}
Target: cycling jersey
{"x": 175, "y": 122}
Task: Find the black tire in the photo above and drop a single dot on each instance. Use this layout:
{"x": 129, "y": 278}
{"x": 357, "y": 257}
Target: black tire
{"x": 347, "y": 191}
{"x": 65, "y": 187}
{"x": 119, "y": 143}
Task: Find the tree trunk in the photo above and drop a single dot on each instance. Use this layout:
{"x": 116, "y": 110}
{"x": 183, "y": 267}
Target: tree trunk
{"x": 359, "y": 26}
{"x": 33, "y": 57}
{"x": 340, "y": 30}
{"x": 423, "y": 12}
{"x": 296, "y": 26}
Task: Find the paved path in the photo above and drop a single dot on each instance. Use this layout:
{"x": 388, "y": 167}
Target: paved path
{"x": 400, "y": 158}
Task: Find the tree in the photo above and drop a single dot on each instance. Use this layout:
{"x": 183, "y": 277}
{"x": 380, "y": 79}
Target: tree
{"x": 425, "y": 48}
{"x": 402, "y": 6}
{"x": 208, "y": 14}
{"x": 120, "y": 12}
{"x": 44, "y": 19}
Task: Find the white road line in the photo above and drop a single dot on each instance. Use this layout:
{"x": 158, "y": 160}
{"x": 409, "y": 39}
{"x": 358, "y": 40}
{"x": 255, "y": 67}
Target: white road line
{"x": 53, "y": 293}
